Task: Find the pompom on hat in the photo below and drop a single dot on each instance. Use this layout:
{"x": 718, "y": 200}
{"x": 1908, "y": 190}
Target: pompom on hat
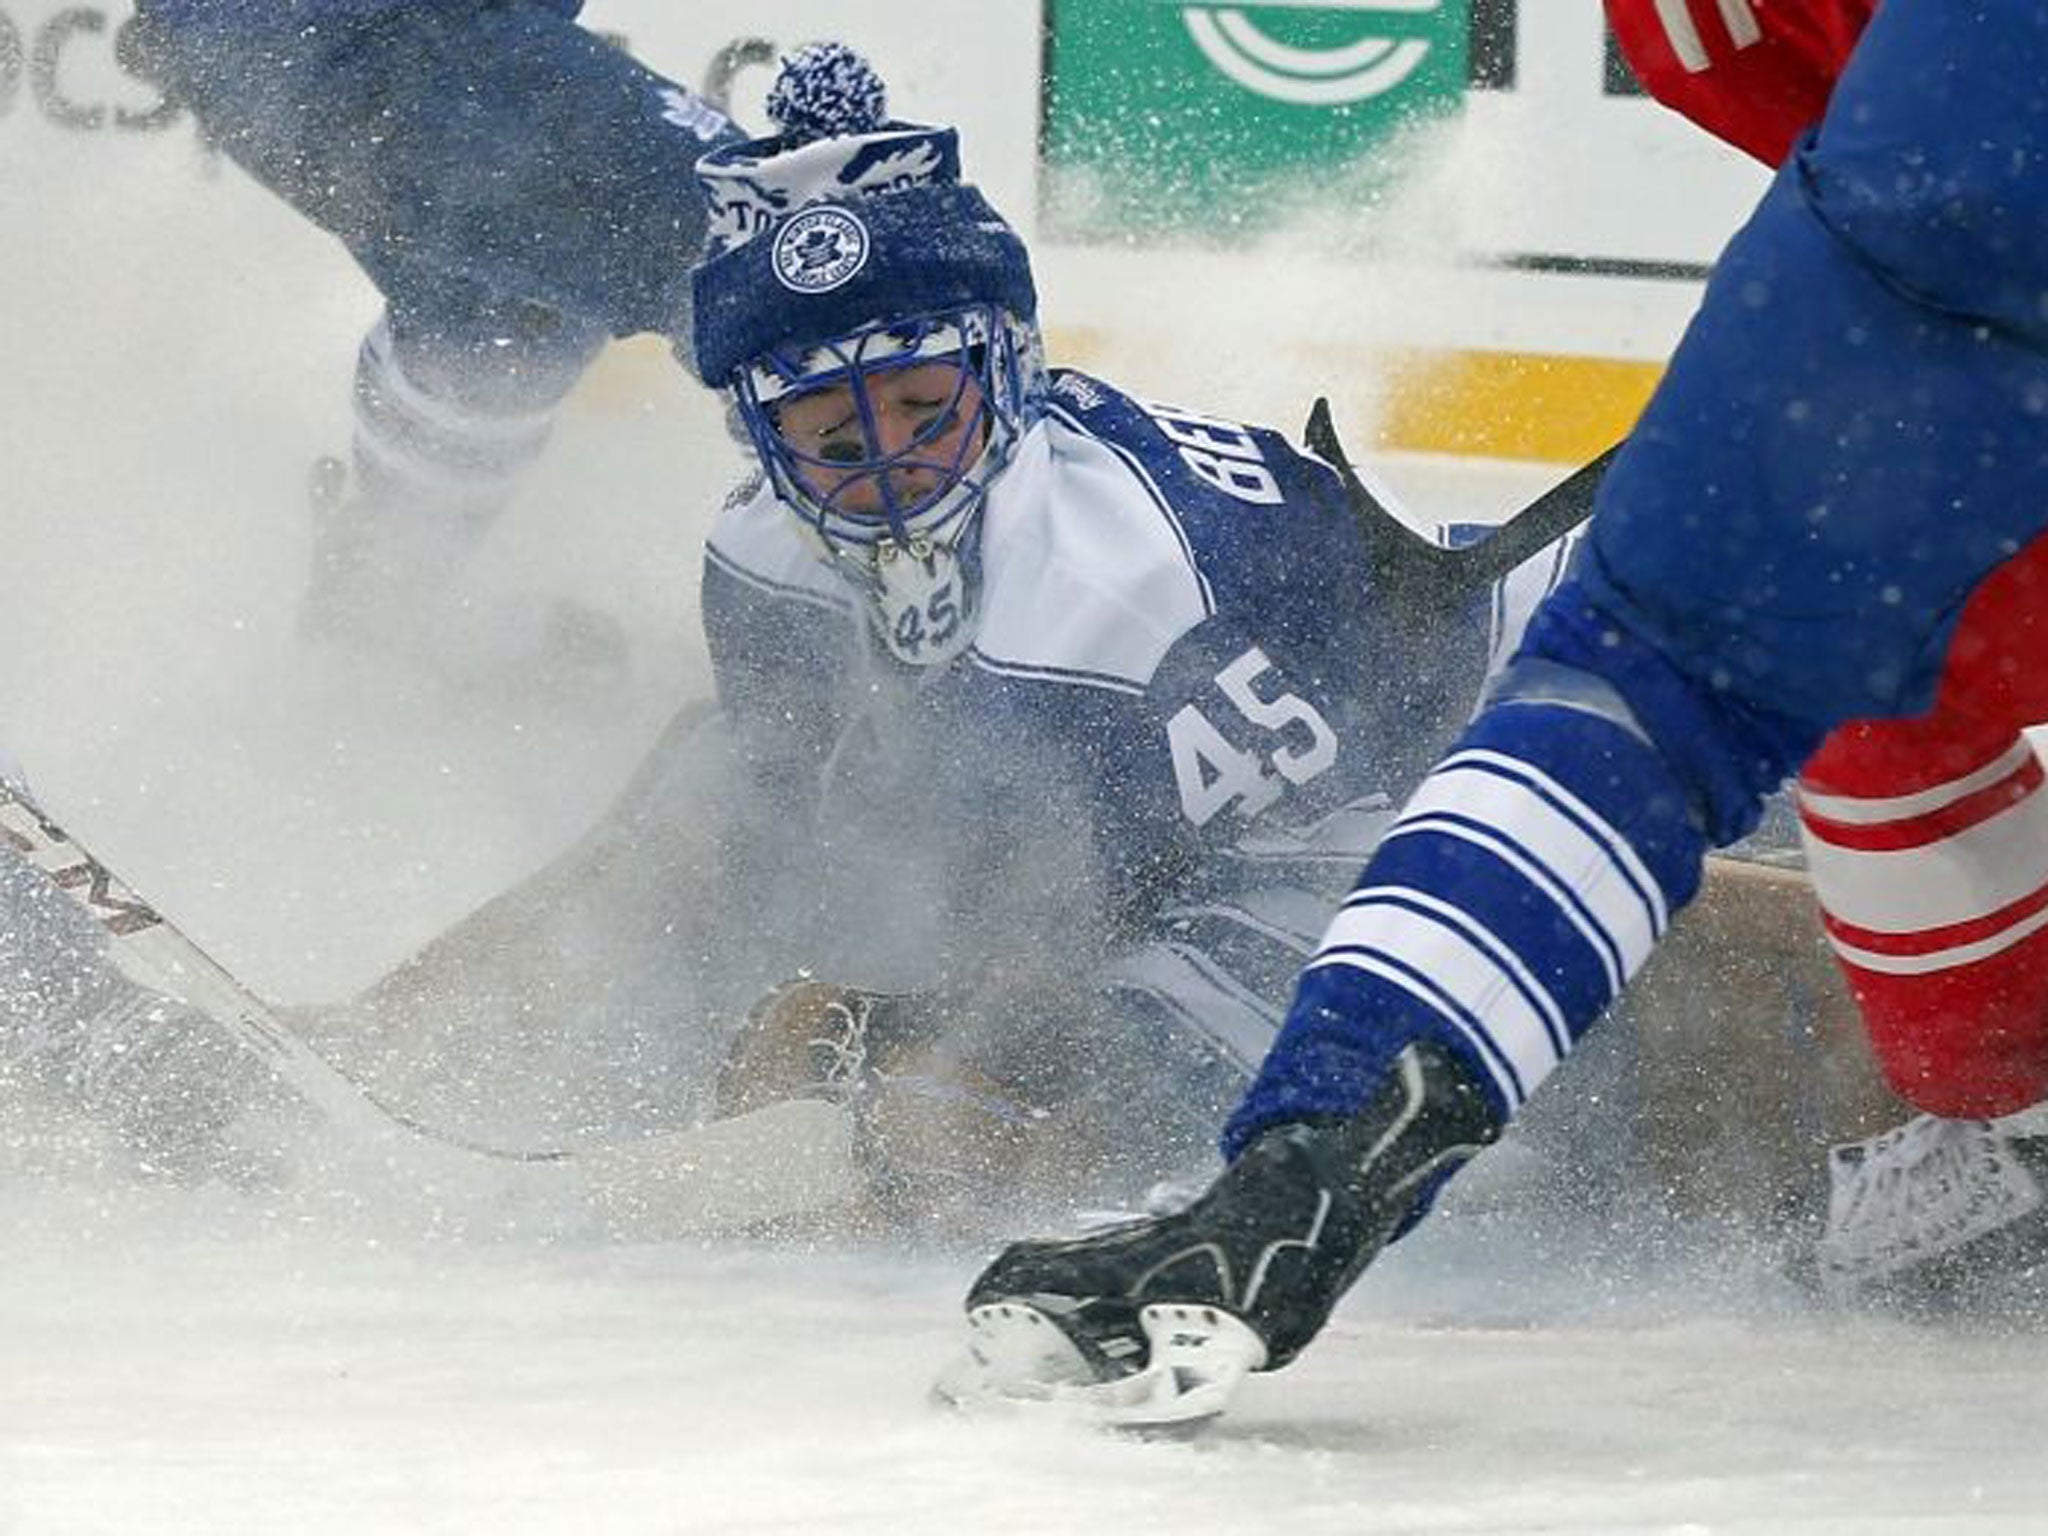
{"x": 827, "y": 91}
{"x": 841, "y": 218}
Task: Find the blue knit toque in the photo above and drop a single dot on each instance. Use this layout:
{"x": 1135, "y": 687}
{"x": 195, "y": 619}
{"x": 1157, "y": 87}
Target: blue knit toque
{"x": 840, "y": 219}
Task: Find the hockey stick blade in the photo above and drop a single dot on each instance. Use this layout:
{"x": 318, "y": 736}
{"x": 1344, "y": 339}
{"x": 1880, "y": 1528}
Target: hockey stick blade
{"x": 1422, "y": 574}
{"x": 787, "y": 1160}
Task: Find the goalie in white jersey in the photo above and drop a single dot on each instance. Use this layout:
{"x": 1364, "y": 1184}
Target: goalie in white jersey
{"x": 1071, "y": 713}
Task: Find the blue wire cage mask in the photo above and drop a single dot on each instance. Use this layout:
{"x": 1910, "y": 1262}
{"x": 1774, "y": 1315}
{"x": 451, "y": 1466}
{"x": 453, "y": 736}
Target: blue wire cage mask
{"x": 896, "y": 506}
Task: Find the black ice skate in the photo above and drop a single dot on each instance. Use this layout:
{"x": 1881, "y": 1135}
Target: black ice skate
{"x": 1157, "y": 1321}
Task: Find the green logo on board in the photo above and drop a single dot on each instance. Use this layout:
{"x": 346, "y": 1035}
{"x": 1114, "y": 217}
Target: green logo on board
{"x": 1165, "y": 117}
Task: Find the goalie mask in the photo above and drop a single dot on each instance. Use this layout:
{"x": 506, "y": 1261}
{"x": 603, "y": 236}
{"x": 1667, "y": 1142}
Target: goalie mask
{"x": 885, "y": 442}
{"x": 873, "y": 322}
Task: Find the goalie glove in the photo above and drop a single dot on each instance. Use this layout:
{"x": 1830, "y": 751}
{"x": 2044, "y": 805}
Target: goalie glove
{"x": 934, "y": 1123}
{"x": 813, "y": 1040}
{"x": 1156, "y": 1321}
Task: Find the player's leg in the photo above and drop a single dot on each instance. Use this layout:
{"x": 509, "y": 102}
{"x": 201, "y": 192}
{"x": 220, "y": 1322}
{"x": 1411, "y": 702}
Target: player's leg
{"x": 1771, "y": 556}
{"x": 494, "y": 139}
{"x": 1928, "y": 845}
{"x": 1927, "y": 839}
{"x": 1930, "y": 835}
{"x": 517, "y": 188}
{"x": 456, "y": 395}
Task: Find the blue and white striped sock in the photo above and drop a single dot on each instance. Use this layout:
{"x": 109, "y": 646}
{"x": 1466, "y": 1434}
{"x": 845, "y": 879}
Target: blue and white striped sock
{"x": 1504, "y": 910}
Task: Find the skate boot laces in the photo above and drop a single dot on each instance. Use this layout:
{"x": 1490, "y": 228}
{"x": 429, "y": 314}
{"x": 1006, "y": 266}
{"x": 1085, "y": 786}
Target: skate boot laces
{"x": 1922, "y": 1189}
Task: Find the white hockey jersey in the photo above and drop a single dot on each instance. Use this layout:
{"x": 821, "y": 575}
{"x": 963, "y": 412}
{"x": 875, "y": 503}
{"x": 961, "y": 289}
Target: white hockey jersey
{"x": 1181, "y": 725}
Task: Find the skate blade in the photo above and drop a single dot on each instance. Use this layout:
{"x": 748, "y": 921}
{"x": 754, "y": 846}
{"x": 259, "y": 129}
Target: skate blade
{"x": 1018, "y": 1358}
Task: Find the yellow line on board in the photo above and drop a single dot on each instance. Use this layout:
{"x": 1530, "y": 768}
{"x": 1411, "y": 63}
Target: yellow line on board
{"x": 1556, "y": 407}
{"x": 1511, "y": 405}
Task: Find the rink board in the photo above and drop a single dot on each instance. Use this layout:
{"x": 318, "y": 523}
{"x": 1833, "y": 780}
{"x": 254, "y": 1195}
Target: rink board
{"x": 1511, "y": 299}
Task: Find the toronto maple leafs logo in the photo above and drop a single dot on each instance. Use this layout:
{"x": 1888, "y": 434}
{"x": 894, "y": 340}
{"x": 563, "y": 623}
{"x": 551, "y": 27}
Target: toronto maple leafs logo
{"x": 687, "y": 110}
{"x": 820, "y": 249}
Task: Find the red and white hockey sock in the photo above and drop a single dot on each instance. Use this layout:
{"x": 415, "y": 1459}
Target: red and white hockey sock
{"x": 1927, "y": 841}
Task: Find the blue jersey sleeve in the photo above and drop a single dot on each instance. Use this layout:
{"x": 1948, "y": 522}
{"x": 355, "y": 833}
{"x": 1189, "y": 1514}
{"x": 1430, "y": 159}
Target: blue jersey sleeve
{"x": 1245, "y": 786}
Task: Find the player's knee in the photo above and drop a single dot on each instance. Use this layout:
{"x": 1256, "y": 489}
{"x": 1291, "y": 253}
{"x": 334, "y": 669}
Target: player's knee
{"x": 1989, "y": 673}
{"x": 1934, "y": 175}
{"x": 1725, "y": 758}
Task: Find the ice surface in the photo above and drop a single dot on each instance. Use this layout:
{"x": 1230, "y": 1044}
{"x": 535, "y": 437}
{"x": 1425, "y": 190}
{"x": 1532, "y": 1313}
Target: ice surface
{"x": 185, "y": 1366}
{"x": 223, "y": 1363}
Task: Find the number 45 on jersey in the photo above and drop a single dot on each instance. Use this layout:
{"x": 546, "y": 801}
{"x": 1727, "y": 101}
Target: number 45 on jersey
{"x": 1213, "y": 772}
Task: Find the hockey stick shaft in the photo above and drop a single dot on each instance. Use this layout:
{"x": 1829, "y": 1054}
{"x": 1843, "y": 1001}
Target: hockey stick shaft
{"x": 787, "y": 1160}
{"x": 154, "y": 953}
{"x": 1544, "y": 521}
{"x": 1416, "y": 570}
